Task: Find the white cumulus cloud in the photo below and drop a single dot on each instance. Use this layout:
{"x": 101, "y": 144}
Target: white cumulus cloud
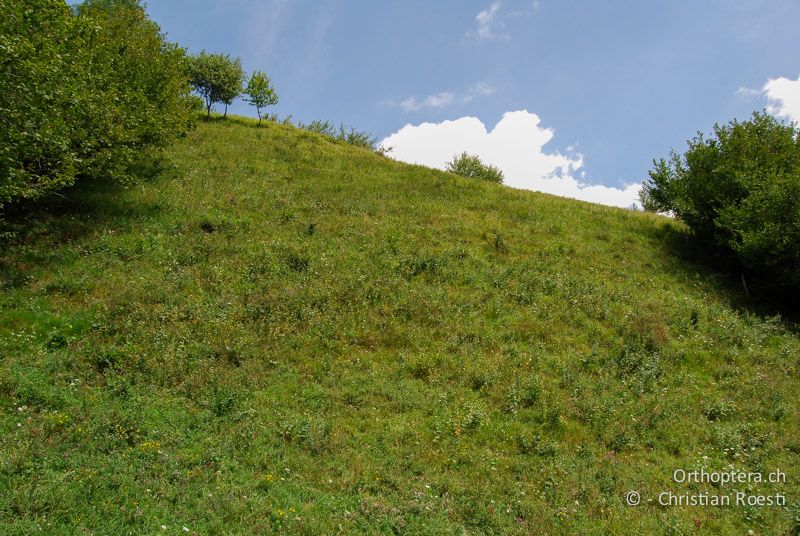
{"x": 783, "y": 96}
{"x": 516, "y": 146}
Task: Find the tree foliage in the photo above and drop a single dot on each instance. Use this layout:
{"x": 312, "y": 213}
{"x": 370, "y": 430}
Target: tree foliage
{"x": 234, "y": 79}
{"x": 472, "y": 167}
{"x": 738, "y": 190}
{"x": 83, "y": 91}
{"x": 39, "y": 92}
{"x": 260, "y": 92}
{"x": 218, "y": 78}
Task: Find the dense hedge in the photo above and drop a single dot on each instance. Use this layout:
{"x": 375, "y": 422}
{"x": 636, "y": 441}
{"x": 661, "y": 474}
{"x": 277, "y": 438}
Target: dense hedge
{"x": 739, "y": 192}
{"x": 83, "y": 91}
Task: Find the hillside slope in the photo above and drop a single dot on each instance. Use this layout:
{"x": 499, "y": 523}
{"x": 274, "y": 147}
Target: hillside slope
{"x": 281, "y": 333}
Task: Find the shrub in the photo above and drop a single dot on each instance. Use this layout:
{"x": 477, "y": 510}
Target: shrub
{"x": 138, "y": 83}
{"x": 326, "y": 128}
{"x": 472, "y": 167}
{"x": 38, "y": 86}
{"x": 83, "y": 92}
{"x": 362, "y": 139}
{"x": 350, "y": 136}
{"x": 739, "y": 191}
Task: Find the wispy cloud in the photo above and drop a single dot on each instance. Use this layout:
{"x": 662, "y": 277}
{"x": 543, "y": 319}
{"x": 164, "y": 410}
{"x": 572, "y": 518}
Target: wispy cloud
{"x": 443, "y": 99}
{"x": 263, "y": 26}
{"x": 439, "y": 100}
{"x": 489, "y": 26}
{"x": 483, "y": 89}
{"x": 749, "y": 92}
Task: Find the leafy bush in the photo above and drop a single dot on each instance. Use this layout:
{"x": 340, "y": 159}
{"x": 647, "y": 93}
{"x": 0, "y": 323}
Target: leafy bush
{"x": 472, "y": 167}
{"x": 37, "y": 152}
{"x": 350, "y": 136}
{"x": 739, "y": 191}
{"x": 138, "y": 80}
{"x": 326, "y": 128}
{"x": 83, "y": 92}
{"x": 361, "y": 139}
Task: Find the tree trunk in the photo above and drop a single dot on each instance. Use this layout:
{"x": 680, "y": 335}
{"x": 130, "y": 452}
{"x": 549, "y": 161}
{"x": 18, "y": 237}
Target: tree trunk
{"x": 744, "y": 284}
{"x": 208, "y": 112}
{"x": 226, "y": 111}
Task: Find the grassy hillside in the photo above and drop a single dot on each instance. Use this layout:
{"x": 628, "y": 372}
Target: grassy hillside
{"x": 281, "y": 333}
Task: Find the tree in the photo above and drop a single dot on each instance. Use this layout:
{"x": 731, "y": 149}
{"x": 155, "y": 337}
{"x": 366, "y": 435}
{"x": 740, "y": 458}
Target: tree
{"x": 260, "y": 92}
{"x": 739, "y": 192}
{"x": 233, "y": 80}
{"x": 471, "y": 166}
{"x": 216, "y": 78}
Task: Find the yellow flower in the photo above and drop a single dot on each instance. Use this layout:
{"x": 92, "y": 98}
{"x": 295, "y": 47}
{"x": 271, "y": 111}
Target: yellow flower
{"x": 148, "y": 446}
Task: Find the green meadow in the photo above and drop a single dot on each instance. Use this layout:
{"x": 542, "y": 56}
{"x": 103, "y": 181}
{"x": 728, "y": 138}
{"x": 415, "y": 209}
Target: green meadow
{"x": 278, "y": 333}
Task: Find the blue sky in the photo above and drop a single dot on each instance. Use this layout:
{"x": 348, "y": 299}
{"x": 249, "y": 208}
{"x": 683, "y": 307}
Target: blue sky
{"x": 607, "y": 86}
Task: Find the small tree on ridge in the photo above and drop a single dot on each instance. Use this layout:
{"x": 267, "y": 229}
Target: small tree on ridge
{"x": 216, "y": 78}
{"x": 260, "y": 92}
{"x": 233, "y": 77}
